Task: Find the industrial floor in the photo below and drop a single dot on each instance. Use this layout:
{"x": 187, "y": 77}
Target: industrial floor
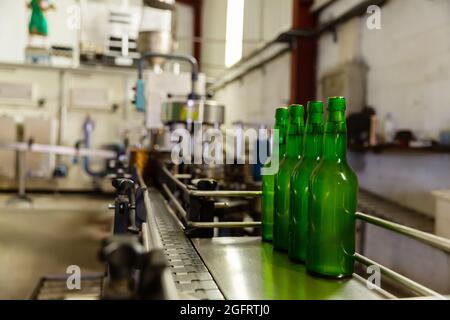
{"x": 47, "y": 236}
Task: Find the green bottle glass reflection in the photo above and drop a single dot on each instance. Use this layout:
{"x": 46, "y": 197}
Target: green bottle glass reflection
{"x": 268, "y": 181}
{"x": 333, "y": 198}
{"x": 312, "y": 152}
{"x": 294, "y": 150}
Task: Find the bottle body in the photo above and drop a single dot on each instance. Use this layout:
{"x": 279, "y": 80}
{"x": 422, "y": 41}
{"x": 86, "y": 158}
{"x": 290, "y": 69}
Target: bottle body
{"x": 298, "y": 219}
{"x": 294, "y": 149}
{"x": 268, "y": 180}
{"x": 331, "y": 228}
{"x": 267, "y": 206}
{"x": 333, "y": 198}
{"x": 282, "y": 204}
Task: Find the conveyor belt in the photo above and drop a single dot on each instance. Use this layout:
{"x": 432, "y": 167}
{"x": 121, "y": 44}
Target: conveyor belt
{"x": 247, "y": 269}
{"x": 189, "y": 272}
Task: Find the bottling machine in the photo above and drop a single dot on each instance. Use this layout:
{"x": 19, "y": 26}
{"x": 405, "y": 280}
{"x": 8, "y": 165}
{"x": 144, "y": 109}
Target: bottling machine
{"x": 192, "y": 231}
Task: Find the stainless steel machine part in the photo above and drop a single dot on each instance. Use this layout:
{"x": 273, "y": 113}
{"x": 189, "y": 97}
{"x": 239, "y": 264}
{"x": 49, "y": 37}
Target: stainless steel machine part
{"x": 190, "y": 275}
{"x": 171, "y": 56}
{"x": 246, "y": 268}
{"x": 207, "y": 112}
{"x": 224, "y": 225}
{"x": 206, "y": 225}
{"x": 180, "y": 111}
{"x": 212, "y": 112}
{"x": 59, "y": 150}
{"x": 155, "y": 41}
{"x": 153, "y": 241}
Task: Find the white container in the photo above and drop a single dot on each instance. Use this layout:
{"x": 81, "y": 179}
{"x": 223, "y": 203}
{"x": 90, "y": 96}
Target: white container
{"x": 442, "y": 218}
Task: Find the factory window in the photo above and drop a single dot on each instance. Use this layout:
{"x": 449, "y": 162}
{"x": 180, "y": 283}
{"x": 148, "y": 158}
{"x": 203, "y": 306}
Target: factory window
{"x": 235, "y": 30}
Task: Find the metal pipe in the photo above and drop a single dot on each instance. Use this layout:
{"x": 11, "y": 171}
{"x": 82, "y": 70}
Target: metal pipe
{"x": 88, "y": 128}
{"x": 381, "y": 291}
{"x": 216, "y": 194}
{"x": 183, "y": 176}
{"x": 221, "y": 84}
{"x": 146, "y": 237}
{"x": 224, "y": 225}
{"x": 177, "y": 182}
{"x": 408, "y": 283}
{"x": 154, "y": 241}
{"x": 430, "y": 239}
{"x": 158, "y": 4}
{"x": 174, "y": 215}
{"x": 221, "y": 205}
{"x": 178, "y": 206}
{"x": 55, "y": 149}
{"x": 22, "y": 173}
{"x": 182, "y": 57}
{"x": 62, "y": 113}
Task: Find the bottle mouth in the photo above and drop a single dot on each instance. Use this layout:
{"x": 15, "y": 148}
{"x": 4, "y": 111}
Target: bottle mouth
{"x": 336, "y": 104}
{"x": 281, "y": 114}
{"x": 296, "y": 111}
{"x": 315, "y": 107}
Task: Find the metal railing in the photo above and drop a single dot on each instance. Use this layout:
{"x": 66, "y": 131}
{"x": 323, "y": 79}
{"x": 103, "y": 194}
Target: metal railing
{"x": 152, "y": 241}
{"x": 424, "y": 237}
{"x": 408, "y": 283}
{"x": 211, "y": 194}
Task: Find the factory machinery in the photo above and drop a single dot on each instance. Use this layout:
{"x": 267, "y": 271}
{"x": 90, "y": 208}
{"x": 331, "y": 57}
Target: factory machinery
{"x": 191, "y": 231}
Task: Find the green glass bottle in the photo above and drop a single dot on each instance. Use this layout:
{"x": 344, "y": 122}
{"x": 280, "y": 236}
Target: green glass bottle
{"x": 333, "y": 199}
{"x": 294, "y": 146}
{"x": 268, "y": 180}
{"x": 312, "y": 153}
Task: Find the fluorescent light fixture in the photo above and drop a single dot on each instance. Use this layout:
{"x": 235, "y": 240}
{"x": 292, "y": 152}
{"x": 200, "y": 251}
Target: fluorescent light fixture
{"x": 235, "y": 30}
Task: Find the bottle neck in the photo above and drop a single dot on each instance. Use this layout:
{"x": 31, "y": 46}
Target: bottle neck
{"x": 294, "y": 144}
{"x": 335, "y": 140}
{"x": 282, "y": 137}
{"x": 313, "y": 144}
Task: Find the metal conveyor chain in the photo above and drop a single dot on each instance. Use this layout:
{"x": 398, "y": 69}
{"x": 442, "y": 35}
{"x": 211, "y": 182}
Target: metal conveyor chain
{"x": 191, "y": 276}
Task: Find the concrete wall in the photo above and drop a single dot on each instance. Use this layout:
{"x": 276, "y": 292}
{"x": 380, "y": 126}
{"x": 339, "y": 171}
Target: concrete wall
{"x": 110, "y": 124}
{"x": 256, "y": 95}
{"x": 408, "y": 76}
{"x": 214, "y": 22}
{"x": 254, "y": 98}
